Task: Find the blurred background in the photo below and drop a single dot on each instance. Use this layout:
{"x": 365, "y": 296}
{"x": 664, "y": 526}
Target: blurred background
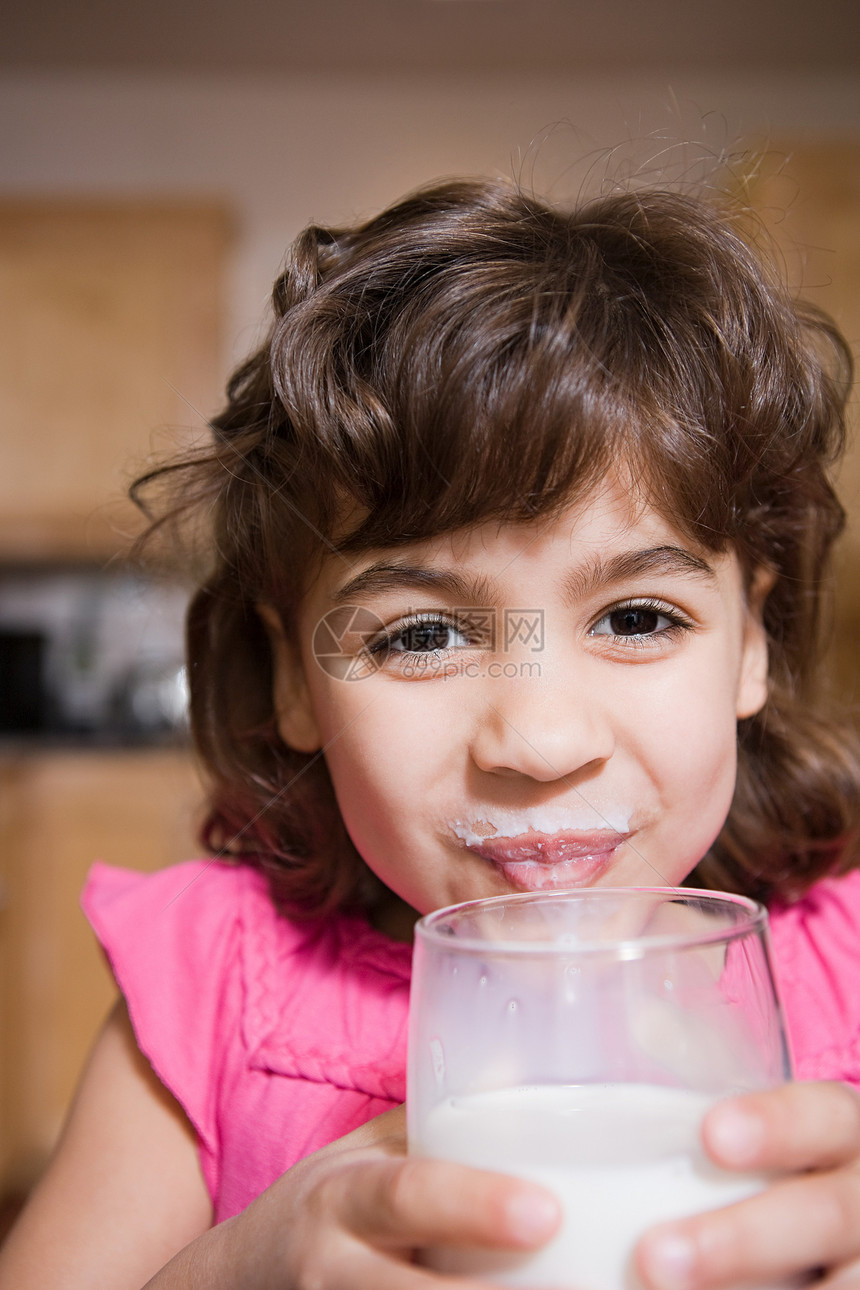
{"x": 155, "y": 161}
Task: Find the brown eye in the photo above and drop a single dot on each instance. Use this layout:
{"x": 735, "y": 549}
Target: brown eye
{"x": 635, "y": 622}
{"x": 425, "y": 636}
{"x": 421, "y": 636}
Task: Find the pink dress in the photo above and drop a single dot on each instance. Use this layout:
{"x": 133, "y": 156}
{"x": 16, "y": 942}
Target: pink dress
{"x": 277, "y": 1037}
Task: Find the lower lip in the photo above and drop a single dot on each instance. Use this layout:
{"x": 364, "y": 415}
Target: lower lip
{"x": 567, "y": 865}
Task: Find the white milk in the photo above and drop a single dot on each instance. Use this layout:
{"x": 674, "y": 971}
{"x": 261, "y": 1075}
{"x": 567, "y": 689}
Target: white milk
{"x": 619, "y": 1157}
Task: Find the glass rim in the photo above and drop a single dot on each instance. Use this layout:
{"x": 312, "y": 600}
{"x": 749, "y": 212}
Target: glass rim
{"x": 429, "y": 928}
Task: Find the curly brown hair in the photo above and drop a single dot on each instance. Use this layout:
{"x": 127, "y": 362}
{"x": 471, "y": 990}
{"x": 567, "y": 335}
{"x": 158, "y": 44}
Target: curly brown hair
{"x": 472, "y": 353}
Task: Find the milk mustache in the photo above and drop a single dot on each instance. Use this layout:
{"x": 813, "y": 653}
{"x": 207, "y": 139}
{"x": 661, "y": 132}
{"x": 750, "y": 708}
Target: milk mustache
{"x": 620, "y": 1158}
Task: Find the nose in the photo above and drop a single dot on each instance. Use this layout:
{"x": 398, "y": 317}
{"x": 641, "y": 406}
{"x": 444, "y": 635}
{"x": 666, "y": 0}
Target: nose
{"x": 545, "y": 727}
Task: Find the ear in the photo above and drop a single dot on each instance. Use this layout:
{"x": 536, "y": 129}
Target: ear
{"x": 752, "y": 681}
{"x": 291, "y": 698}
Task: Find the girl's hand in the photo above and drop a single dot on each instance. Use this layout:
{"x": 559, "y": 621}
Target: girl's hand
{"x": 354, "y": 1213}
{"x": 808, "y": 1219}
{"x": 124, "y": 1196}
{"x": 351, "y": 1216}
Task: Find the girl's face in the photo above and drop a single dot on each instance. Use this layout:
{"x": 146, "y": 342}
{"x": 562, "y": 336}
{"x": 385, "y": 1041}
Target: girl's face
{"x": 528, "y": 707}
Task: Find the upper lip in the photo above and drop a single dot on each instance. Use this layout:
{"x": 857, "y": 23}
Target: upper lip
{"x": 549, "y": 848}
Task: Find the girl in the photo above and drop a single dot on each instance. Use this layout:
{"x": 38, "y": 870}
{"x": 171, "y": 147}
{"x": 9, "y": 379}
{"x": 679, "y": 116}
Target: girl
{"x": 517, "y": 526}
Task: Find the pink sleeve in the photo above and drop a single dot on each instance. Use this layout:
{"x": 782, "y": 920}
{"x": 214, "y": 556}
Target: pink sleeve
{"x": 817, "y": 952}
{"x": 171, "y": 939}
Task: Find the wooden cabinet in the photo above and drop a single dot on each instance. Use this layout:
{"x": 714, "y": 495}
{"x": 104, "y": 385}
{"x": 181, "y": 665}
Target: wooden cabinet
{"x": 809, "y": 199}
{"x": 109, "y": 336}
{"x": 59, "y": 812}
{"x": 110, "y": 347}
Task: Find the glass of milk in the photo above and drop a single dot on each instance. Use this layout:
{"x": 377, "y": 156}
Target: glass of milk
{"x": 577, "y": 1039}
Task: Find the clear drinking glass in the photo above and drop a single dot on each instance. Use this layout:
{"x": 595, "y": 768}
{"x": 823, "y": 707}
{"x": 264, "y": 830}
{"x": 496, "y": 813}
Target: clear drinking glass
{"x": 577, "y": 1039}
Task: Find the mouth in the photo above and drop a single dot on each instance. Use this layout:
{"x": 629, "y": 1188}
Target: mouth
{"x": 542, "y": 862}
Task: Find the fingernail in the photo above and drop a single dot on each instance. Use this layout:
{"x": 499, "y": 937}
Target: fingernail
{"x": 532, "y": 1216}
{"x": 736, "y": 1134}
{"x": 669, "y": 1260}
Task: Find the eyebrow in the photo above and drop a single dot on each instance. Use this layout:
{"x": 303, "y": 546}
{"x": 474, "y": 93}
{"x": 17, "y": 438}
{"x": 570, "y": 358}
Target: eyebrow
{"x": 382, "y": 577}
{"x": 660, "y": 560}
{"x": 379, "y": 578}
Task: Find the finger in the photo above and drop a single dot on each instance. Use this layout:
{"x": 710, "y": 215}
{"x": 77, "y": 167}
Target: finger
{"x": 793, "y": 1127}
{"x": 846, "y": 1277}
{"x": 363, "y": 1269}
{"x": 793, "y": 1226}
{"x": 346, "y": 1263}
{"x": 420, "y": 1202}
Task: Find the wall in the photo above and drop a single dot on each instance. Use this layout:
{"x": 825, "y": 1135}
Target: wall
{"x": 284, "y": 150}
